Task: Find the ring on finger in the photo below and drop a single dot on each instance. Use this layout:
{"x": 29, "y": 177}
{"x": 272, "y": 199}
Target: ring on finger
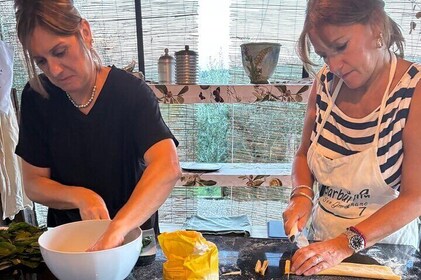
{"x": 318, "y": 259}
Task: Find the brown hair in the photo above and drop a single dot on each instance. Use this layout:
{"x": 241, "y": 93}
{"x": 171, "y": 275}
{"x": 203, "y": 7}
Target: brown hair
{"x": 59, "y": 17}
{"x": 347, "y": 12}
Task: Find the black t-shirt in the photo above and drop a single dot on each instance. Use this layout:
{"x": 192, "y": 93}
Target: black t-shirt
{"x": 103, "y": 150}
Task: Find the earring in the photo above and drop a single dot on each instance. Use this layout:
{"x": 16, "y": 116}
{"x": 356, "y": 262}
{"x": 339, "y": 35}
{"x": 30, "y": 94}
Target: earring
{"x": 380, "y": 41}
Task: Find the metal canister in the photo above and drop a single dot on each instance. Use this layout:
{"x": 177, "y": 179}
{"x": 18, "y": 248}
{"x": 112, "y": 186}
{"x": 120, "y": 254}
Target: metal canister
{"x": 186, "y": 66}
{"x": 166, "y": 68}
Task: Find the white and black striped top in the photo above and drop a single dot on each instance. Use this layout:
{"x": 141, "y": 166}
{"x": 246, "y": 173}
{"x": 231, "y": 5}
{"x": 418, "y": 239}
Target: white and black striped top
{"x": 343, "y": 135}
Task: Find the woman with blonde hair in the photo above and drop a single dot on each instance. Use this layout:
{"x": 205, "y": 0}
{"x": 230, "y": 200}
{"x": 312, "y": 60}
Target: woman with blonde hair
{"x": 92, "y": 139}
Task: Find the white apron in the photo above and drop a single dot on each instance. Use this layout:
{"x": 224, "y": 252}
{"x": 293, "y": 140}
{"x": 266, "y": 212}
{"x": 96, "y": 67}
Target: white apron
{"x": 352, "y": 187}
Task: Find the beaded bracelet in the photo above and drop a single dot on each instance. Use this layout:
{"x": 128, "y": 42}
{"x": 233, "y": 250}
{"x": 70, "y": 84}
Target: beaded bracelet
{"x": 302, "y": 187}
{"x": 301, "y": 194}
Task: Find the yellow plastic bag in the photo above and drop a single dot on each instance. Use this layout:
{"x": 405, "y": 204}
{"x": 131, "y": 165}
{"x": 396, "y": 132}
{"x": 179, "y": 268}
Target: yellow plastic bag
{"x": 189, "y": 256}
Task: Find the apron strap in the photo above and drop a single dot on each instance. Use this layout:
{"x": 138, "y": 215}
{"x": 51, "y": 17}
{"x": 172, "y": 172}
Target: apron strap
{"x": 385, "y": 96}
{"x": 329, "y": 108}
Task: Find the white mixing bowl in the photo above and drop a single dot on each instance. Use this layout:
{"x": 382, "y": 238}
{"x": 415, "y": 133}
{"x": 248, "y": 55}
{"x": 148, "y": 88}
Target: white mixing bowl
{"x": 64, "y": 251}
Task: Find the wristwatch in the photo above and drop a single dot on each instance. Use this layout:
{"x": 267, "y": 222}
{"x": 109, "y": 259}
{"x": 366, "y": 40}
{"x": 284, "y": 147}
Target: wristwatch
{"x": 356, "y": 241}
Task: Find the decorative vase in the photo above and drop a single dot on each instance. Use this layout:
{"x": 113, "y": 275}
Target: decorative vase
{"x": 260, "y": 60}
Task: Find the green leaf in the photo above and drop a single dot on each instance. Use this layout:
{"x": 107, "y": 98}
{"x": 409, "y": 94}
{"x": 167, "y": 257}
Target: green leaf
{"x": 4, "y": 235}
{"x": 22, "y": 235}
{"x": 22, "y": 247}
{"x": 146, "y": 241}
{"x": 6, "y": 249}
{"x": 30, "y": 264}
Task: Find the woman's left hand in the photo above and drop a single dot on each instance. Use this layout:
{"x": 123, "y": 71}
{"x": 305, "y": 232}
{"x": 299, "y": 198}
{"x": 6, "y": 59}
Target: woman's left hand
{"x": 319, "y": 256}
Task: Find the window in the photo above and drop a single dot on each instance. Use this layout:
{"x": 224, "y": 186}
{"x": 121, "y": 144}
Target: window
{"x": 215, "y": 29}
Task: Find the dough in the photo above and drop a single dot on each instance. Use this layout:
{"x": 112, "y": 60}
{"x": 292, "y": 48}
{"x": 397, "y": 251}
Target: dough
{"x": 358, "y": 270}
{"x": 361, "y": 270}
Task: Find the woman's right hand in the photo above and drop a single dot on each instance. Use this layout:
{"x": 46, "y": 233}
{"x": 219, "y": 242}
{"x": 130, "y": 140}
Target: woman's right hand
{"x": 298, "y": 211}
{"x": 91, "y": 205}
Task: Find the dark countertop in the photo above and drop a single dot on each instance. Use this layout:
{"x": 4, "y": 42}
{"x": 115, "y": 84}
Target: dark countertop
{"x": 241, "y": 253}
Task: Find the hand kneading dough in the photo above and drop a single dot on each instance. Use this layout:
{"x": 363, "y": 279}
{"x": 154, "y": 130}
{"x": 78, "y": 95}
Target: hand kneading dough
{"x": 361, "y": 270}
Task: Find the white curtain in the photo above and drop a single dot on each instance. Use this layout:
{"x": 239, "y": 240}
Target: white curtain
{"x": 13, "y": 198}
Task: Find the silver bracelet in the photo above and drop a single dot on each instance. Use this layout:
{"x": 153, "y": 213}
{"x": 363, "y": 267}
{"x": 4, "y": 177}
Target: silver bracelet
{"x": 301, "y": 194}
{"x": 302, "y": 187}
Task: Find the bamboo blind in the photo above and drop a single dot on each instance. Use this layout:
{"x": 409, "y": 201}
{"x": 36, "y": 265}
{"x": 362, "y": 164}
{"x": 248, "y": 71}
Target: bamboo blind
{"x": 266, "y": 21}
{"x": 265, "y": 132}
{"x": 168, "y": 24}
{"x": 173, "y": 24}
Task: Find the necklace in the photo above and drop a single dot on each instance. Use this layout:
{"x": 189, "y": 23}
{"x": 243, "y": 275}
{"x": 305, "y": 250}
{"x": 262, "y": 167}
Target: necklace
{"x": 81, "y": 106}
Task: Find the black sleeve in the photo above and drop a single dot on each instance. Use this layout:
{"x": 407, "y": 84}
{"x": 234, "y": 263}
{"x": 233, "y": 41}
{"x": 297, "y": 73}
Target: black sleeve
{"x": 33, "y": 132}
{"x": 149, "y": 127}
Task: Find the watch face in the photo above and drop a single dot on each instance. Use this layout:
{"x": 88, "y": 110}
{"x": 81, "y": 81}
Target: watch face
{"x": 356, "y": 242}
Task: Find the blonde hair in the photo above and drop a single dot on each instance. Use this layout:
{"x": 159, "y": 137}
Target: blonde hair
{"x": 57, "y": 16}
{"x": 347, "y": 12}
